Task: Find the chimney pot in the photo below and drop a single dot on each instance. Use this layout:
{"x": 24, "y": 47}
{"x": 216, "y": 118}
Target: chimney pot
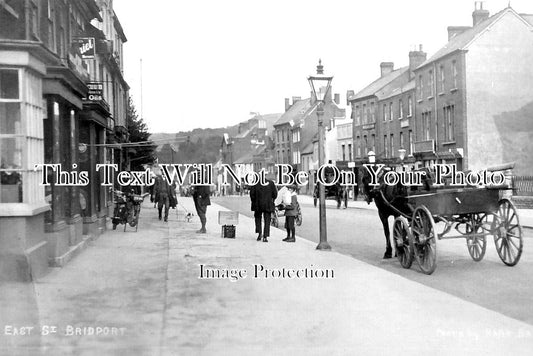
{"x": 479, "y": 13}
{"x": 287, "y": 104}
{"x": 337, "y": 98}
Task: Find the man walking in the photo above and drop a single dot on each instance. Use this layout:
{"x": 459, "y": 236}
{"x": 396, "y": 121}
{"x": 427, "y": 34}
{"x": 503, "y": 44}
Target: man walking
{"x": 164, "y": 194}
{"x": 262, "y": 198}
{"x": 201, "y": 201}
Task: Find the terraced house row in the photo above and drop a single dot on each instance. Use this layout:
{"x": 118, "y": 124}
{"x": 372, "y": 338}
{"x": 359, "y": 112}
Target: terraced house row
{"x": 470, "y": 103}
{"x": 63, "y": 100}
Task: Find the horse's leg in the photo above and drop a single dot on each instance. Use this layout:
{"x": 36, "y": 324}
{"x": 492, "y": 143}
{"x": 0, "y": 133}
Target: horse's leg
{"x": 385, "y": 222}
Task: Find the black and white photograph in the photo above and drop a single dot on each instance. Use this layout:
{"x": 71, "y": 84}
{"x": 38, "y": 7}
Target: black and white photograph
{"x": 284, "y": 177}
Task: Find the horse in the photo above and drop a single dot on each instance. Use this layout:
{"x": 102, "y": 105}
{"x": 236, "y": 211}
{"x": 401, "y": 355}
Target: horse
{"x": 390, "y": 200}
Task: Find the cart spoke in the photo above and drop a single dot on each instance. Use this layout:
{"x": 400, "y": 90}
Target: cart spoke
{"x": 512, "y": 243}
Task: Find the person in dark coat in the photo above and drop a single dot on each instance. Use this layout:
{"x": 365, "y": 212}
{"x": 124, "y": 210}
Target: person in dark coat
{"x": 201, "y": 199}
{"x": 165, "y": 196}
{"x": 262, "y": 197}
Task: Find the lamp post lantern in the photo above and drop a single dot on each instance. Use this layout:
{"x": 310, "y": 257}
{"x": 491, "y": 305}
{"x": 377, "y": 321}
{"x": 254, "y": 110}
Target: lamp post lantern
{"x": 320, "y": 85}
{"x": 371, "y": 157}
{"x": 401, "y": 152}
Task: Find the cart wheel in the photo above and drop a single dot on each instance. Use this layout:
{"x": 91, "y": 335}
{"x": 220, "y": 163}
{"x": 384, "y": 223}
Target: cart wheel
{"x": 507, "y": 233}
{"x": 401, "y": 234}
{"x": 424, "y": 239}
{"x": 477, "y": 245}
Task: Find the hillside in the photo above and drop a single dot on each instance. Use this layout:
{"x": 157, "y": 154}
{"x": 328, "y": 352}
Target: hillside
{"x": 203, "y": 145}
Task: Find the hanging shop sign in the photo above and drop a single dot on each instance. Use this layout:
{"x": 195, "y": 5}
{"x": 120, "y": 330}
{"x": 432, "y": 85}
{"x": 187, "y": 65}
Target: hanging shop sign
{"x": 86, "y": 46}
{"x": 96, "y": 90}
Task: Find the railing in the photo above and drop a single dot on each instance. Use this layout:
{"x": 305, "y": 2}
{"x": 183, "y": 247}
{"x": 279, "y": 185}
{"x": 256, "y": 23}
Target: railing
{"x": 523, "y": 185}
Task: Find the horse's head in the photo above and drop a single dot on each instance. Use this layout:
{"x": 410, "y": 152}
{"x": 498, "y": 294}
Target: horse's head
{"x": 390, "y": 192}
{"x": 369, "y": 191}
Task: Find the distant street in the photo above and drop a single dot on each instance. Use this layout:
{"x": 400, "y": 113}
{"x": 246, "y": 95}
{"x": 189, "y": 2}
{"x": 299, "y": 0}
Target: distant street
{"x": 488, "y": 283}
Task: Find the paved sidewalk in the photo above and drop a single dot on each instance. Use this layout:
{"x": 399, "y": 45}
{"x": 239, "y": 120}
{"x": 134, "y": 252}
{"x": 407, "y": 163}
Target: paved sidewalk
{"x": 145, "y": 285}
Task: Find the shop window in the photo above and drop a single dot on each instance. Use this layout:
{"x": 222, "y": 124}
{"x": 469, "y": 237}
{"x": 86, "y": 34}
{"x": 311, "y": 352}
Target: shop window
{"x": 10, "y": 141}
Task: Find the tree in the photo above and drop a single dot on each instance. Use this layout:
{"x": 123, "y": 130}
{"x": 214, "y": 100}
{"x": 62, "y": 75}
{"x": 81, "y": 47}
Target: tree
{"x": 138, "y": 132}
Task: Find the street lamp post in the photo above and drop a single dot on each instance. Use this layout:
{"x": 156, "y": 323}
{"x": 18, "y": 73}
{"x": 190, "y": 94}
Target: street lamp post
{"x": 320, "y": 85}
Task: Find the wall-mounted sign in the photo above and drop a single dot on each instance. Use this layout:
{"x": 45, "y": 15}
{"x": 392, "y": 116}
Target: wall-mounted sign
{"x": 96, "y": 90}
{"x": 86, "y": 46}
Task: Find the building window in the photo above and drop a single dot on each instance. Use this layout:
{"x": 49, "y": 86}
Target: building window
{"x": 296, "y": 136}
{"x": 34, "y": 20}
{"x": 373, "y": 143}
{"x": 420, "y": 87}
{"x": 441, "y": 79}
{"x": 358, "y": 146}
{"x": 365, "y": 142}
{"x": 384, "y": 112}
{"x": 392, "y": 150}
{"x": 411, "y": 142}
{"x": 51, "y": 30}
{"x": 400, "y": 108}
{"x": 365, "y": 114}
{"x": 454, "y": 73}
{"x": 426, "y": 122}
{"x": 449, "y": 117}
{"x": 19, "y": 183}
{"x": 431, "y": 83}
{"x": 386, "y": 146}
{"x": 296, "y": 157}
{"x": 402, "y": 143}
{"x": 372, "y": 113}
{"x": 391, "y": 111}
{"x": 350, "y": 152}
{"x": 409, "y": 106}
{"x": 357, "y": 115}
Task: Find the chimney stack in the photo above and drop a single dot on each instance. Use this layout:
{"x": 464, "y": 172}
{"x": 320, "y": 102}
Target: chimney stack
{"x": 416, "y": 58}
{"x": 337, "y": 98}
{"x": 349, "y": 93}
{"x": 296, "y": 99}
{"x": 287, "y": 104}
{"x": 479, "y": 13}
{"x": 386, "y": 68}
{"x": 456, "y": 30}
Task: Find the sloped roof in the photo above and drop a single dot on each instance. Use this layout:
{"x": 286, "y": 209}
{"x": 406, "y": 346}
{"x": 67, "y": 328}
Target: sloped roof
{"x": 463, "y": 40}
{"x": 249, "y": 156}
{"x": 246, "y": 132}
{"x": 295, "y": 113}
{"x": 378, "y": 84}
{"x": 397, "y": 89}
{"x": 310, "y": 147}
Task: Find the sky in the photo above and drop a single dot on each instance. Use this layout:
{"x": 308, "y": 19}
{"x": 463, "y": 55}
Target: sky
{"x": 210, "y": 63}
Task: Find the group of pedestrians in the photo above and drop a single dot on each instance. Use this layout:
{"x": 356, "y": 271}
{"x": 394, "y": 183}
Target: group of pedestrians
{"x": 164, "y": 195}
{"x": 263, "y": 199}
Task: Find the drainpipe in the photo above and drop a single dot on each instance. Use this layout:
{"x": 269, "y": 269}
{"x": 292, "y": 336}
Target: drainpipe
{"x": 436, "y": 107}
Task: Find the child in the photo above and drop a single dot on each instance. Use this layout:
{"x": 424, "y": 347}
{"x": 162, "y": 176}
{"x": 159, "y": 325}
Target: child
{"x": 291, "y": 211}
